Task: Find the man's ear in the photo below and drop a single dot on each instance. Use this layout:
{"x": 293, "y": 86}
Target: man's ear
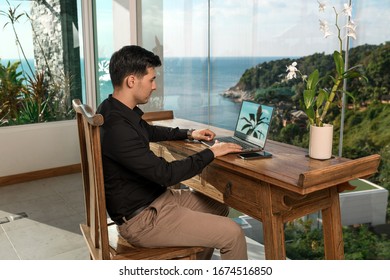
{"x": 130, "y": 81}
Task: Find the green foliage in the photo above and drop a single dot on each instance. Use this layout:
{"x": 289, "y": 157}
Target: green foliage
{"x": 361, "y": 244}
{"x": 374, "y": 60}
{"x": 317, "y": 101}
{"x": 263, "y": 75}
{"x": 368, "y": 123}
{"x": 290, "y": 134}
{"x": 11, "y": 87}
{"x": 36, "y": 101}
{"x": 304, "y": 242}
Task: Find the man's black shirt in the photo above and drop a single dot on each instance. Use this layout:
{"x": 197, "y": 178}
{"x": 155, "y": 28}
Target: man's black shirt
{"x": 133, "y": 175}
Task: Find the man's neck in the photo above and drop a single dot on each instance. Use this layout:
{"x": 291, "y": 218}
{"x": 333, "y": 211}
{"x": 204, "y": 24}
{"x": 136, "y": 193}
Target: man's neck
{"x": 124, "y": 98}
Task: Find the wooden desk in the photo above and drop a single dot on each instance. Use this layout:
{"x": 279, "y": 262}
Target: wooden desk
{"x": 277, "y": 190}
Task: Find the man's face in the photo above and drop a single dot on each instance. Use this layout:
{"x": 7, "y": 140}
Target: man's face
{"x": 144, "y": 86}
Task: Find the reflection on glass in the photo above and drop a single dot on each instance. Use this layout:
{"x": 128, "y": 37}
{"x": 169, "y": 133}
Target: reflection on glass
{"x": 104, "y": 47}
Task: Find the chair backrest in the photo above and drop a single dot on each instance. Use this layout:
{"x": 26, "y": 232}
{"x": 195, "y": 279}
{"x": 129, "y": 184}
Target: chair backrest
{"x": 158, "y": 115}
{"x": 88, "y": 124}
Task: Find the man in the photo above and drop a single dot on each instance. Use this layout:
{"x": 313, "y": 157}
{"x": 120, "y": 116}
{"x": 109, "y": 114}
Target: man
{"x": 136, "y": 180}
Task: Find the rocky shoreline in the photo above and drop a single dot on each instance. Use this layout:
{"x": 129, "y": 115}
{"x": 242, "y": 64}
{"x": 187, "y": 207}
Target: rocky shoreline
{"x": 237, "y": 95}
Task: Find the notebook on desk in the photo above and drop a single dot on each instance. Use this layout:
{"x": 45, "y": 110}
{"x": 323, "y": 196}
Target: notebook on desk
{"x": 251, "y": 129}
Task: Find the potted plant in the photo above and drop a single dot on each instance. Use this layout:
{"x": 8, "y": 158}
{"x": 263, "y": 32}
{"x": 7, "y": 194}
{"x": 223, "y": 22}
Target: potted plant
{"x": 317, "y": 101}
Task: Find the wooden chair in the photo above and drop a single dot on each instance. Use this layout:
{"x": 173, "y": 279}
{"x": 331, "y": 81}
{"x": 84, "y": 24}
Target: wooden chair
{"x": 160, "y": 115}
{"x": 102, "y": 237}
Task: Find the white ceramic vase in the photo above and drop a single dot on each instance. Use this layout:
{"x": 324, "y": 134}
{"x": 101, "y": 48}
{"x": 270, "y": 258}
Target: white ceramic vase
{"x": 320, "y": 142}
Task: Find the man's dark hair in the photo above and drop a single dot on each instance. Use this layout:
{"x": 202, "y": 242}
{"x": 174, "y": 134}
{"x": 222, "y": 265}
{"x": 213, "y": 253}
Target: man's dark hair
{"x": 131, "y": 60}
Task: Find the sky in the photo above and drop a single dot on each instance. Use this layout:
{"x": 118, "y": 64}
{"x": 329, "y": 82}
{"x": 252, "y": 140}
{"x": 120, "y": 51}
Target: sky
{"x": 238, "y": 27}
{"x": 268, "y": 27}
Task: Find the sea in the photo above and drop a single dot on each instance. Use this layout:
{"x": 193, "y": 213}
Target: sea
{"x": 191, "y": 86}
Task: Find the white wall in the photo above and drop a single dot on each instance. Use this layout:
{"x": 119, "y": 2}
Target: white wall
{"x": 33, "y": 147}
{"x": 360, "y": 207}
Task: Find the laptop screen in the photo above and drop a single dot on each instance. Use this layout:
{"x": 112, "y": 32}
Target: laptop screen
{"x": 253, "y": 122}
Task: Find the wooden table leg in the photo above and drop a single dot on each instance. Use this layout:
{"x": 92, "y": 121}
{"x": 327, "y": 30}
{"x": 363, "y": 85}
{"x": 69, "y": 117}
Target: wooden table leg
{"x": 332, "y": 229}
{"x": 273, "y": 228}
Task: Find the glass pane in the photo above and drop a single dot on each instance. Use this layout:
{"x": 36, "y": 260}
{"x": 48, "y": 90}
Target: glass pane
{"x": 151, "y": 38}
{"x": 40, "y": 61}
{"x": 104, "y": 47}
{"x": 177, "y": 32}
{"x": 232, "y": 52}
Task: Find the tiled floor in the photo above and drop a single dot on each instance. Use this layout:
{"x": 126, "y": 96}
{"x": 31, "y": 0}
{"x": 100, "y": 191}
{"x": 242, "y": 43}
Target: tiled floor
{"x": 39, "y": 220}
{"x": 54, "y": 209}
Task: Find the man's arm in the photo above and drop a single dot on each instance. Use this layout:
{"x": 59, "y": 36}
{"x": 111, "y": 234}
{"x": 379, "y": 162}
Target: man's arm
{"x": 161, "y": 133}
{"x": 124, "y": 145}
{"x": 219, "y": 149}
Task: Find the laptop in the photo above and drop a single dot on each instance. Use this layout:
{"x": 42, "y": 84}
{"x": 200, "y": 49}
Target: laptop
{"x": 252, "y": 127}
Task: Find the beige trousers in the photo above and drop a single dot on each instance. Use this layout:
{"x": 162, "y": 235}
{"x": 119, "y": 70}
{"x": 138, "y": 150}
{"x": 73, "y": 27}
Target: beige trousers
{"x": 187, "y": 218}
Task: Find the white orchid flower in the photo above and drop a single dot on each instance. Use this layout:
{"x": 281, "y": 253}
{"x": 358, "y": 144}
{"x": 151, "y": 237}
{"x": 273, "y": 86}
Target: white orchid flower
{"x": 291, "y": 75}
{"x": 351, "y": 29}
{"x": 351, "y": 33}
{"x": 347, "y": 10}
{"x": 321, "y": 6}
{"x": 351, "y": 25}
{"x": 327, "y": 34}
{"x": 292, "y": 69}
{"x": 324, "y": 27}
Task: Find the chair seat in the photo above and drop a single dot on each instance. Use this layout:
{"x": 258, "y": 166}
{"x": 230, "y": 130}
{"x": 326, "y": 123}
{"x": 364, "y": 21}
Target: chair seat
{"x": 121, "y": 249}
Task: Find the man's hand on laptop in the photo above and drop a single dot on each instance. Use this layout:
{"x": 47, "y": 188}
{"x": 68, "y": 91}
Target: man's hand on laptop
{"x": 203, "y": 134}
{"x": 221, "y": 148}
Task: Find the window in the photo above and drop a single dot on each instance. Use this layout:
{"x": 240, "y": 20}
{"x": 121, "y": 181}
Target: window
{"x": 216, "y": 52}
{"x": 40, "y": 65}
{"x": 208, "y": 45}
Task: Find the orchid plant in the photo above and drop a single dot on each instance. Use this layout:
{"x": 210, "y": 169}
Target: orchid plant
{"x": 316, "y": 100}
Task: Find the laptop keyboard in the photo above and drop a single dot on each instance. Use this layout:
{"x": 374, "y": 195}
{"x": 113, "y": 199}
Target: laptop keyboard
{"x": 245, "y": 146}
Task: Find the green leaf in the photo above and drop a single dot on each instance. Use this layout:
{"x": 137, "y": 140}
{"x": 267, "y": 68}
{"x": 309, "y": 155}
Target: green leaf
{"x": 308, "y": 98}
{"x": 246, "y": 126}
{"x": 322, "y": 97}
{"x": 339, "y": 61}
{"x": 350, "y": 95}
{"x": 17, "y": 18}
{"x": 259, "y": 133}
{"x": 310, "y": 114}
{"x": 351, "y": 74}
{"x": 245, "y": 119}
{"x": 312, "y": 81}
